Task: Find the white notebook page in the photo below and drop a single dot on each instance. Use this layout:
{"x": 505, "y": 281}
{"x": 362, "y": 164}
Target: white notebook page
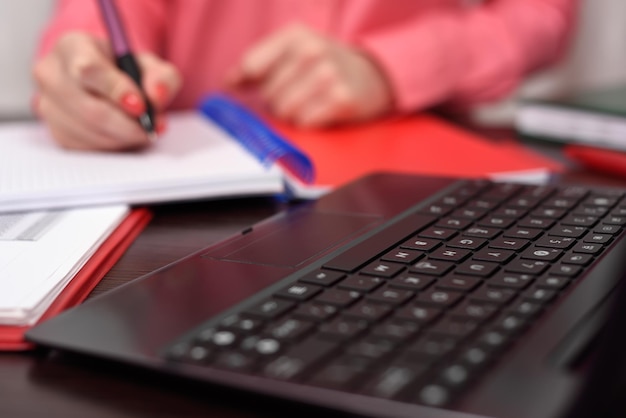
{"x": 193, "y": 159}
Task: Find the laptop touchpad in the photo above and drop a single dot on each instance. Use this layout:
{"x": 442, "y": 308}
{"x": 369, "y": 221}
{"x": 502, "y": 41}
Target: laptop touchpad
{"x": 290, "y": 240}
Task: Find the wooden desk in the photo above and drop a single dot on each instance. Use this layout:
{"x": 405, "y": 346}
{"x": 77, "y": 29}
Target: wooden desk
{"x": 40, "y": 384}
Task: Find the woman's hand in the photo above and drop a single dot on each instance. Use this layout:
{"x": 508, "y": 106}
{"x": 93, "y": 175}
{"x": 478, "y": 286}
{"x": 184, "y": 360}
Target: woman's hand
{"x": 88, "y": 103}
{"x": 313, "y": 81}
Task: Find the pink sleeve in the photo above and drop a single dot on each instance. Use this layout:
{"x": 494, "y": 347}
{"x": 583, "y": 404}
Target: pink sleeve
{"x": 471, "y": 55}
{"x": 144, "y": 20}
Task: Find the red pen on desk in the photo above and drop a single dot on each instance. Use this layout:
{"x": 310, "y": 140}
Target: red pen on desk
{"x": 599, "y": 159}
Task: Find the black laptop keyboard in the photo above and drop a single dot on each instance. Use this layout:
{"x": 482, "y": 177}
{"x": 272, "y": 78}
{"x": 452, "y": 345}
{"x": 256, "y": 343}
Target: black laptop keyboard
{"x": 421, "y": 309}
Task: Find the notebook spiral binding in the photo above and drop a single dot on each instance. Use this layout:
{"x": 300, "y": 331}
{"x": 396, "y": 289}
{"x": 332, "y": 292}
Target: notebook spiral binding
{"x": 256, "y": 136}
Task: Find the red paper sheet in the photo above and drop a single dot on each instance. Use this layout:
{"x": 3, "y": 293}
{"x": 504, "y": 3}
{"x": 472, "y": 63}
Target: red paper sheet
{"x": 12, "y": 337}
{"x": 420, "y": 144}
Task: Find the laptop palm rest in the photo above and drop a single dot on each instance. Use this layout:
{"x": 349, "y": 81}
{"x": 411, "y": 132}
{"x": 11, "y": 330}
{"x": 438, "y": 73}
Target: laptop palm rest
{"x": 294, "y": 239}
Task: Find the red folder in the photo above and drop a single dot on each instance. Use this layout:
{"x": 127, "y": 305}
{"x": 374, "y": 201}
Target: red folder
{"x": 418, "y": 144}
{"x": 12, "y": 337}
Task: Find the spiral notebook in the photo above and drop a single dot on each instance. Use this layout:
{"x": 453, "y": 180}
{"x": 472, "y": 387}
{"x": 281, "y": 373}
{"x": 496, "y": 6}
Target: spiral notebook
{"x": 223, "y": 150}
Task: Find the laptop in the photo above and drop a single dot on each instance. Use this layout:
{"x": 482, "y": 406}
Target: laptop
{"x": 393, "y": 296}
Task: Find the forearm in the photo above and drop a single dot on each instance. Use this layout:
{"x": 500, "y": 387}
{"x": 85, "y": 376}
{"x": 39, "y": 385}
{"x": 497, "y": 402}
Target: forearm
{"x": 473, "y": 55}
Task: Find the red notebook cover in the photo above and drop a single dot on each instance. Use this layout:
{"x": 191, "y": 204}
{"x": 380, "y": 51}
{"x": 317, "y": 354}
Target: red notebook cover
{"x": 12, "y": 337}
{"x": 418, "y": 144}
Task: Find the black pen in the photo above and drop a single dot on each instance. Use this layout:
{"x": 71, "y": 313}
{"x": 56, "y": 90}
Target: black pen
{"x": 125, "y": 60}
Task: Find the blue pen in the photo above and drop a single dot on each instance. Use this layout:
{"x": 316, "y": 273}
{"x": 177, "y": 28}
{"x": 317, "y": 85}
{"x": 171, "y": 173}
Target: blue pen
{"x": 256, "y": 136}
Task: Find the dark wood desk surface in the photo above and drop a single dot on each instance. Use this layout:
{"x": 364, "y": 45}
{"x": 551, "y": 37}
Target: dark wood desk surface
{"x": 39, "y": 384}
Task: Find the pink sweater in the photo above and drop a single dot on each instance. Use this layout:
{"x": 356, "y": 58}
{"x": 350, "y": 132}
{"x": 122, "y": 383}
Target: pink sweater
{"x": 432, "y": 51}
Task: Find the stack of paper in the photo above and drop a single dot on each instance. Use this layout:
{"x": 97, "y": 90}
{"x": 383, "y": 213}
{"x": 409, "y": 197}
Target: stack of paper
{"x": 40, "y": 252}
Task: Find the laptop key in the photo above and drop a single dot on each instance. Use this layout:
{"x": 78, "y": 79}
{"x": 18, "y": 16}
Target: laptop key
{"x": 431, "y": 267}
{"x": 390, "y": 295}
{"x": 539, "y": 295}
{"x": 341, "y": 329}
{"x": 474, "y": 357}
{"x": 455, "y": 327}
{"x": 342, "y": 373}
{"x": 477, "y": 268}
{"x": 412, "y": 282}
{"x": 439, "y": 298}
{"x": 527, "y": 266}
{"x": 240, "y": 323}
{"x": 365, "y": 251}
{"x": 298, "y": 291}
{"x": 382, "y": 269}
{"x": 469, "y": 243}
{"x": 299, "y": 358}
{"x": 367, "y": 311}
{"x": 395, "y": 329}
{"x": 436, "y": 395}
{"x": 315, "y": 312}
{"x": 421, "y": 315}
{"x": 337, "y": 297}
{"x": 577, "y": 258}
{"x": 493, "y": 295}
{"x": 429, "y": 348}
{"x": 391, "y": 381}
{"x": 270, "y": 308}
{"x": 421, "y": 244}
{"x": 513, "y": 244}
{"x": 493, "y": 340}
{"x": 323, "y": 277}
{"x": 454, "y": 375}
{"x": 512, "y": 281}
{"x": 553, "y": 282}
{"x": 496, "y": 256}
{"x": 288, "y": 329}
{"x": 509, "y": 323}
{"x": 361, "y": 283}
{"x": 468, "y": 310}
{"x": 525, "y": 308}
{"x": 371, "y": 347}
{"x": 234, "y": 361}
{"x": 458, "y": 283}
{"x": 530, "y": 222}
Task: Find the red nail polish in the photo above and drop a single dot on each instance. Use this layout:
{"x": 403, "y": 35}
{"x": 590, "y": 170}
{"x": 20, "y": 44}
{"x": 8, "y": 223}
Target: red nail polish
{"x": 162, "y": 93}
{"x": 133, "y": 104}
{"x": 161, "y": 125}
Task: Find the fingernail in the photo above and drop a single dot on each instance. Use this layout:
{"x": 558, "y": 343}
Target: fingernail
{"x": 133, "y": 104}
{"x": 161, "y": 125}
{"x": 162, "y": 92}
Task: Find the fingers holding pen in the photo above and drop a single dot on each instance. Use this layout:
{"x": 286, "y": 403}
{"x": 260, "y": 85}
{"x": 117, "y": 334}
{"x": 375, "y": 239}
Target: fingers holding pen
{"x": 161, "y": 83}
{"x": 91, "y": 65}
{"x": 79, "y": 82}
{"x": 161, "y": 80}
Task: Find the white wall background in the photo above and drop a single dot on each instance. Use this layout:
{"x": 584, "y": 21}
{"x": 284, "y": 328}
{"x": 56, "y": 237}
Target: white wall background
{"x": 597, "y": 58}
{"x": 20, "y": 24}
